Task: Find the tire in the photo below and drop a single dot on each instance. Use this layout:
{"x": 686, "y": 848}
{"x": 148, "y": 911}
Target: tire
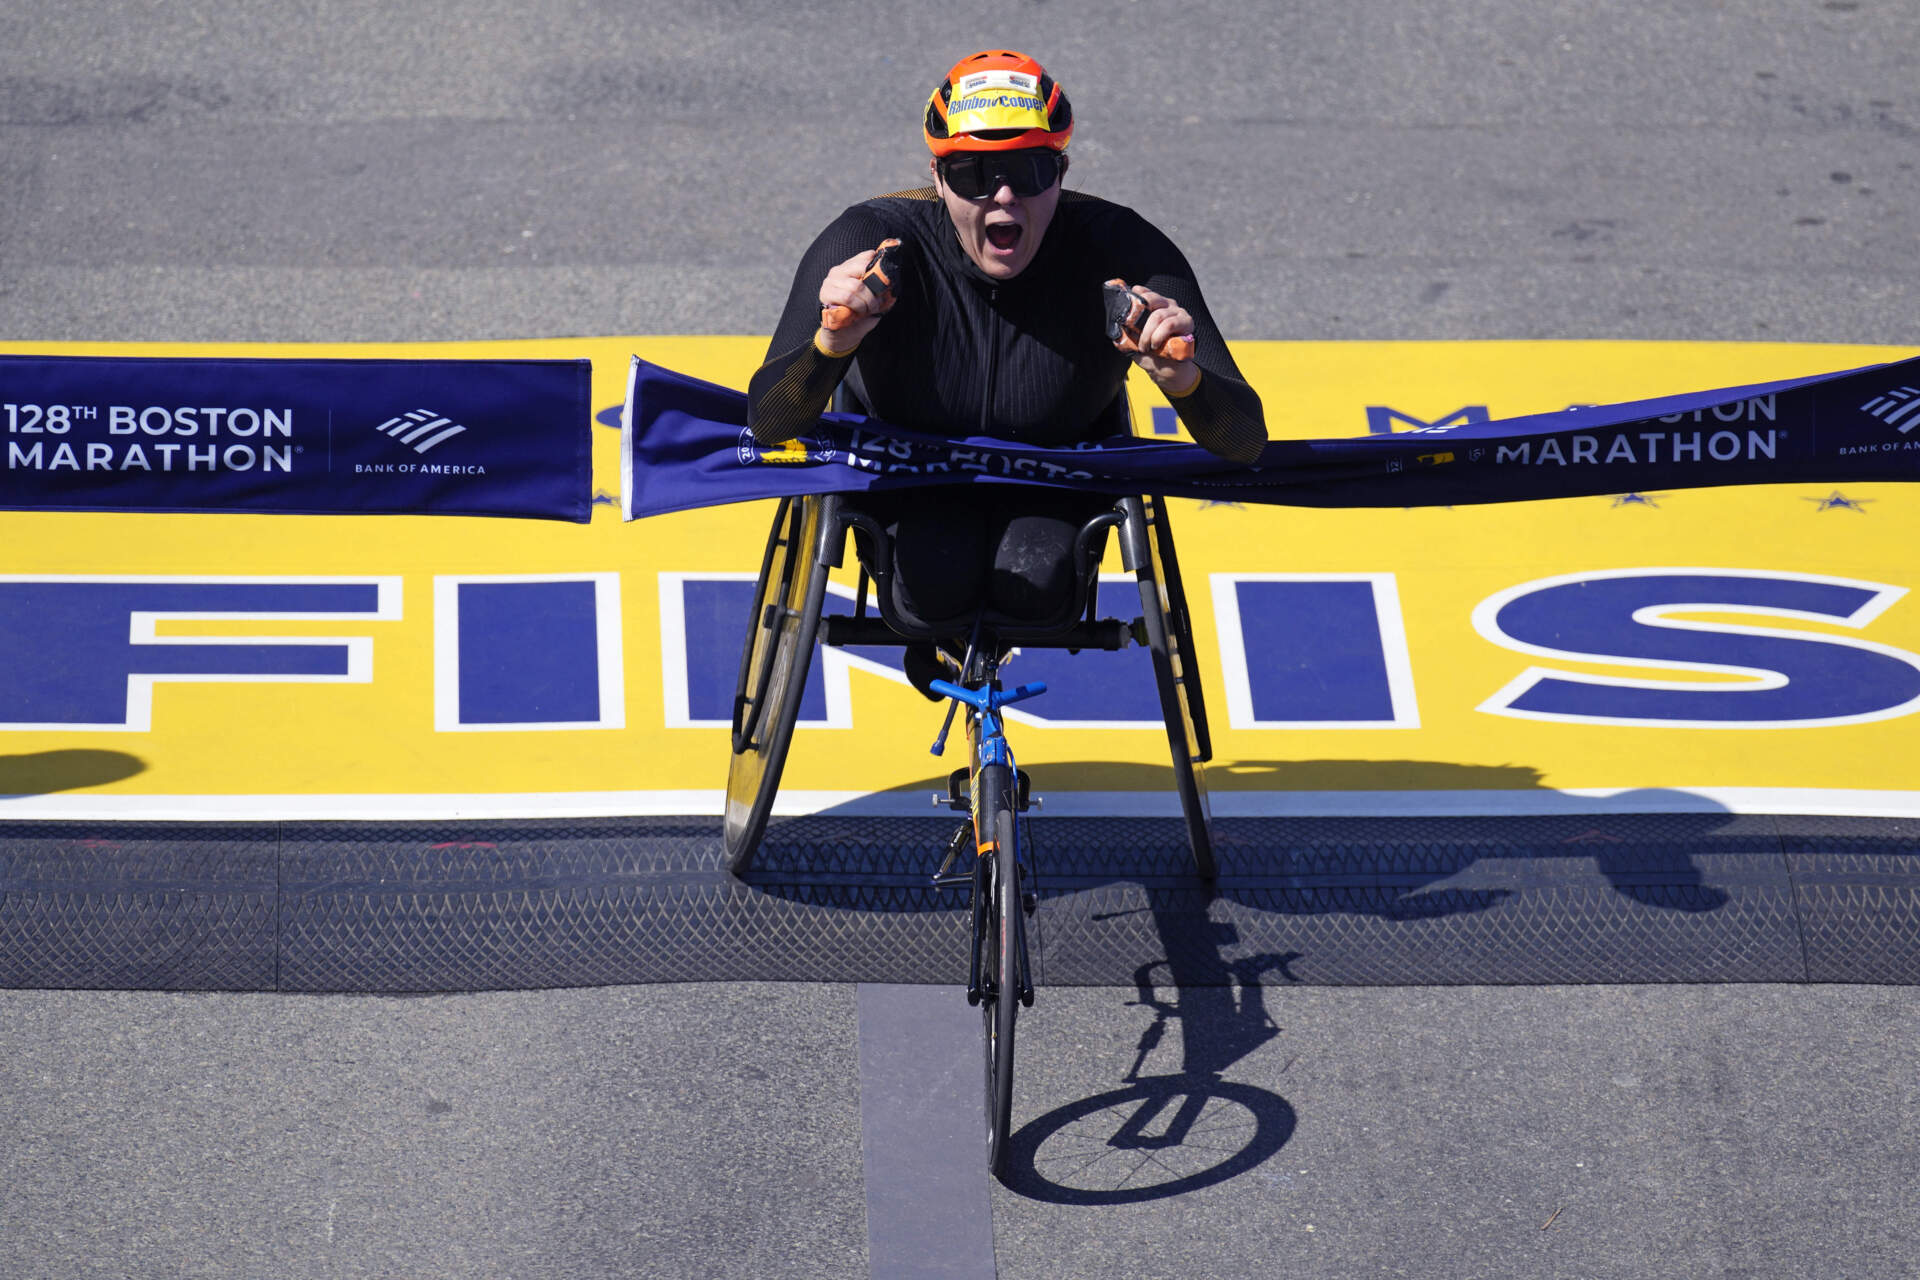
{"x": 1000, "y": 959}
{"x": 1180, "y": 626}
{"x": 1170, "y": 640}
{"x": 781, "y": 630}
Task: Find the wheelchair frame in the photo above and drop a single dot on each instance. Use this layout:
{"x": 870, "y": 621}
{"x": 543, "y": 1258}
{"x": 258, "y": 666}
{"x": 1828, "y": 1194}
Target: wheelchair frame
{"x": 808, "y": 539}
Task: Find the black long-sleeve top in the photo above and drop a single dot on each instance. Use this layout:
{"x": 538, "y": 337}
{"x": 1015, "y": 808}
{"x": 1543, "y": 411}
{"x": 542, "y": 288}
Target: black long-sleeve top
{"x": 1023, "y": 359}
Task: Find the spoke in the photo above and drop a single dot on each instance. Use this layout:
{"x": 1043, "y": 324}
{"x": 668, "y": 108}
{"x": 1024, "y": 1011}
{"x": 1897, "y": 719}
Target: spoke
{"x": 1130, "y": 1174}
{"x": 1088, "y": 1132}
{"x": 1088, "y": 1165}
{"x": 1224, "y": 1130}
{"x": 1154, "y": 1157}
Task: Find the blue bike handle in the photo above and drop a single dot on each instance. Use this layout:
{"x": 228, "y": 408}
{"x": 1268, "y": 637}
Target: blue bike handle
{"x": 987, "y": 699}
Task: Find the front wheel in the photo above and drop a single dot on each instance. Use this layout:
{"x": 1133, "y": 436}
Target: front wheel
{"x": 1001, "y": 958}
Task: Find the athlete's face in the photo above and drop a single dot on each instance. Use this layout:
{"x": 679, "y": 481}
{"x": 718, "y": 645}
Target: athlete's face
{"x": 1000, "y": 231}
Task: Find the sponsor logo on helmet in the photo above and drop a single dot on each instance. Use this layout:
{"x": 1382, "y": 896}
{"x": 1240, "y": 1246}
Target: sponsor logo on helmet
{"x": 979, "y": 80}
{"x": 799, "y": 450}
{"x": 996, "y": 100}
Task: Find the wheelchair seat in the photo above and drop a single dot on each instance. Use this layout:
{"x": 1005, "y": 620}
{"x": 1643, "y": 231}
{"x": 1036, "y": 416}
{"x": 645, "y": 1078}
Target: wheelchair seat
{"x": 874, "y": 549}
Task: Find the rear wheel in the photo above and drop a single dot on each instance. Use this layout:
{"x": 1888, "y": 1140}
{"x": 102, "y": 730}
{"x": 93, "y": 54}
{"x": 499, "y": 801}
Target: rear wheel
{"x": 1163, "y": 608}
{"x": 773, "y": 673}
{"x": 1001, "y": 957}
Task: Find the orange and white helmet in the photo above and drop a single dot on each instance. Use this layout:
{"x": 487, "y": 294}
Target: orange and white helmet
{"x": 997, "y": 100}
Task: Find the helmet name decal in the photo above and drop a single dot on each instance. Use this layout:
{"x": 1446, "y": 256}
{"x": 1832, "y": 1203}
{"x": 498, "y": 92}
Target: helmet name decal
{"x": 988, "y": 100}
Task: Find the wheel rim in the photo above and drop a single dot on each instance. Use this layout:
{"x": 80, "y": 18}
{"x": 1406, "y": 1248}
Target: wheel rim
{"x": 1153, "y": 1139}
{"x": 781, "y": 635}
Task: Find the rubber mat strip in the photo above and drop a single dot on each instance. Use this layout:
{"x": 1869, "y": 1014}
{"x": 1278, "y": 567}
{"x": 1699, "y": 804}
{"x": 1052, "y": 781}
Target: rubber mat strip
{"x": 1333, "y": 901}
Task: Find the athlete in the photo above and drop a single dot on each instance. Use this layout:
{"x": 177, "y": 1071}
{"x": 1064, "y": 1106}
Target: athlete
{"x": 996, "y": 326}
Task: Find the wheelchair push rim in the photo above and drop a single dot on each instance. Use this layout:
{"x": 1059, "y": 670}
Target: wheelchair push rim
{"x": 781, "y": 629}
{"x": 1170, "y": 641}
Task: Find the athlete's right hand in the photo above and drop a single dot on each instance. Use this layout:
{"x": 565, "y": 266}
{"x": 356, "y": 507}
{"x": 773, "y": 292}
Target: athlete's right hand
{"x": 846, "y": 298}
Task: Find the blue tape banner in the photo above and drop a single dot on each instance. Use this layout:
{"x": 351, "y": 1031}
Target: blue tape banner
{"x": 440, "y": 437}
{"x": 687, "y": 445}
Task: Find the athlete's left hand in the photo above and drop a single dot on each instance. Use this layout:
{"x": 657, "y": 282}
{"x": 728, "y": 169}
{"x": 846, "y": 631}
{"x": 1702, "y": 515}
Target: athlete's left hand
{"x": 1167, "y": 319}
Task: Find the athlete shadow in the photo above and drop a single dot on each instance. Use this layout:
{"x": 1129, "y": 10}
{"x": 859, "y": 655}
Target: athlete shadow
{"x": 1643, "y": 843}
{"x": 44, "y": 772}
{"x": 1560, "y": 893}
{"x": 1637, "y": 840}
{"x": 1168, "y": 1133}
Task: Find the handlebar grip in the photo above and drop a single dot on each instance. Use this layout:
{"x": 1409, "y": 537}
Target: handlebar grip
{"x": 1031, "y": 689}
{"x": 879, "y": 279}
{"x": 948, "y": 689}
{"x": 1125, "y": 310}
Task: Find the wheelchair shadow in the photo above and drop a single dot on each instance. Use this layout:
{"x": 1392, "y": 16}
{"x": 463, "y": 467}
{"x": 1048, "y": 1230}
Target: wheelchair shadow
{"x": 1362, "y": 898}
{"x": 1394, "y": 866}
{"x": 1176, "y": 1125}
{"x": 41, "y": 773}
{"x": 1631, "y": 888}
{"x": 1167, "y": 1133}
{"x": 1648, "y": 858}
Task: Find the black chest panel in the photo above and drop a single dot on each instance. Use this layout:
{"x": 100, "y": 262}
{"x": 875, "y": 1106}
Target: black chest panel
{"x": 1023, "y": 359}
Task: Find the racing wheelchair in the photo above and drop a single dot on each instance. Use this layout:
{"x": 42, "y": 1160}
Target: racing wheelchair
{"x": 808, "y": 539}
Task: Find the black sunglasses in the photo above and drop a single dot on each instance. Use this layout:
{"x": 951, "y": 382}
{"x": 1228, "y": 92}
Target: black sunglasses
{"x": 978, "y": 174}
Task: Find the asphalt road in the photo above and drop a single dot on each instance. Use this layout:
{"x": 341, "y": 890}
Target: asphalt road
{"x": 1493, "y": 169}
{"x": 1741, "y": 170}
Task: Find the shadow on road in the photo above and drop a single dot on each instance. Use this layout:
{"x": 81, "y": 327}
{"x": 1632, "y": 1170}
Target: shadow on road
{"x": 1162, "y": 1135}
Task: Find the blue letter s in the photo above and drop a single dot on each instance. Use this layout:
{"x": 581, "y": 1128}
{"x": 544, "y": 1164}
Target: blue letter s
{"x": 1628, "y": 618}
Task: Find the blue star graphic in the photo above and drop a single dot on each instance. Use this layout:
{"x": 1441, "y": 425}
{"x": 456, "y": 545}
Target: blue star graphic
{"x": 1638, "y": 500}
{"x": 1838, "y": 501}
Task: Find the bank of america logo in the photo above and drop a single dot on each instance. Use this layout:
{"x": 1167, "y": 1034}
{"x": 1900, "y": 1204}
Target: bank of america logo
{"x": 421, "y": 430}
{"x": 1897, "y": 408}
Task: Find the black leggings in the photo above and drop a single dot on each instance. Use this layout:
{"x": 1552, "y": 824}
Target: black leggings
{"x": 1006, "y": 547}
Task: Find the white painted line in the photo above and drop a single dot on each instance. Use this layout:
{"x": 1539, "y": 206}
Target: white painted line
{"x": 916, "y": 803}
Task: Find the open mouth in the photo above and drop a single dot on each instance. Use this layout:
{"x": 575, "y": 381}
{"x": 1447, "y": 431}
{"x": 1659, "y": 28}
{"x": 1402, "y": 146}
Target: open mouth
{"x": 1003, "y": 235}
